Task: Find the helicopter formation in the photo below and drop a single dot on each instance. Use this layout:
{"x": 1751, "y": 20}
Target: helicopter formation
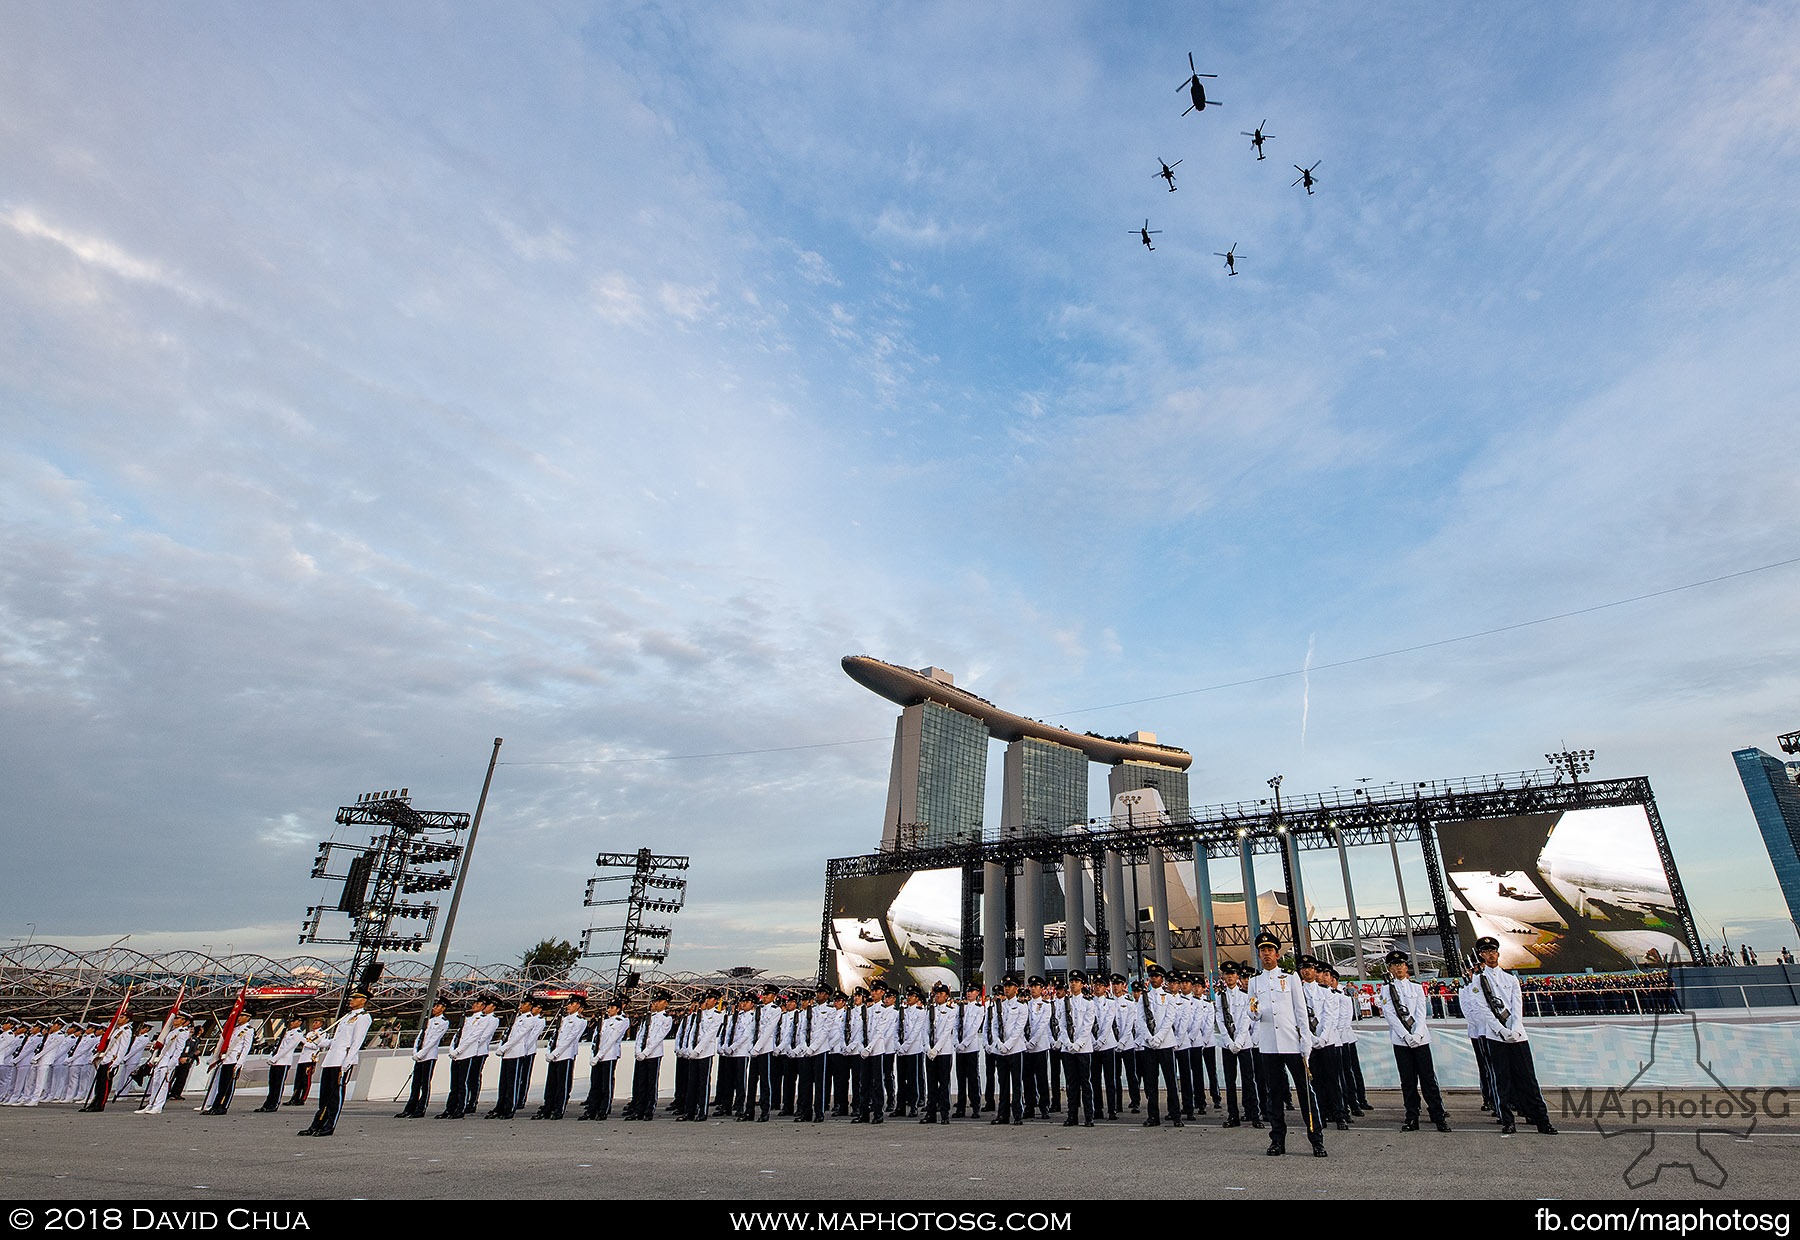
{"x": 1199, "y": 102}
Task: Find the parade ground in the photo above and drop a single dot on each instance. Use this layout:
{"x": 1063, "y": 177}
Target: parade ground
{"x": 57, "y": 1154}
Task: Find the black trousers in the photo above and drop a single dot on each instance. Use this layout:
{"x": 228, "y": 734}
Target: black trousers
{"x": 1209, "y": 1056}
{"x": 757, "y": 1083}
{"x": 598, "y": 1104}
{"x": 1273, "y": 1074}
{"x": 331, "y": 1100}
{"x": 505, "y": 1104}
{"x": 1056, "y": 1079}
{"x": 522, "y": 1082}
{"x": 227, "y": 1088}
{"x": 968, "y": 1081}
{"x": 559, "y": 1080}
{"x": 1184, "y": 1068}
{"x": 1153, "y": 1061}
{"x": 1325, "y": 1061}
{"x": 1104, "y": 1076}
{"x": 809, "y": 1089}
{"x": 303, "y": 1076}
{"x": 872, "y": 1092}
{"x": 1035, "y": 1067}
{"x": 1077, "y": 1071}
{"x": 420, "y": 1098}
{"x": 787, "y": 1082}
{"x": 937, "y": 1087}
{"x": 1418, "y": 1076}
{"x": 1009, "y": 1079}
{"x": 472, "y": 1090}
{"x": 459, "y": 1089}
{"x": 1244, "y": 1063}
{"x": 699, "y": 1077}
{"x": 643, "y": 1088}
{"x": 909, "y": 1074}
{"x": 1129, "y": 1069}
{"x": 1356, "y": 1091}
{"x": 839, "y": 1071}
{"x": 277, "y": 1078}
{"x": 1515, "y": 1078}
{"x": 1489, "y": 1094}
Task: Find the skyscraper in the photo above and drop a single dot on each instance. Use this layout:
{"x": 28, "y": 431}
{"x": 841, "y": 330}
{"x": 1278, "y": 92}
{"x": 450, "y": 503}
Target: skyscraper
{"x": 938, "y": 784}
{"x": 1769, "y": 783}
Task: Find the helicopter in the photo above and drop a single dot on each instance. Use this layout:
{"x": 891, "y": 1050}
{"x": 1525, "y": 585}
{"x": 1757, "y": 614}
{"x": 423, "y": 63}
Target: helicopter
{"x": 1168, "y": 172}
{"x": 1257, "y": 138}
{"x": 1145, "y": 233}
{"x": 1195, "y": 90}
{"x": 1306, "y": 175}
{"x": 1230, "y": 257}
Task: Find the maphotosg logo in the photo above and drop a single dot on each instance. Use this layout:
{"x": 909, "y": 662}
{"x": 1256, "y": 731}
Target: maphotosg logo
{"x": 1675, "y": 1122}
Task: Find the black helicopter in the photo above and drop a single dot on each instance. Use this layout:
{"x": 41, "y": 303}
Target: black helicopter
{"x": 1168, "y": 172}
{"x": 1145, "y": 233}
{"x": 1306, "y": 177}
{"x": 1195, "y": 90}
{"x": 1230, "y": 257}
{"x": 1257, "y": 138}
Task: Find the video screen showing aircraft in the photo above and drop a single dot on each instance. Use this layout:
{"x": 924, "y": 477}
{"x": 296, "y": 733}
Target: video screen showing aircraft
{"x": 903, "y": 928}
{"x": 1564, "y": 891}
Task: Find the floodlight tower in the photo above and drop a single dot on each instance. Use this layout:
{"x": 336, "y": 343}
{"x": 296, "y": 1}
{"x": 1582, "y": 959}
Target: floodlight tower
{"x": 652, "y": 890}
{"x": 409, "y": 857}
{"x": 1572, "y": 762}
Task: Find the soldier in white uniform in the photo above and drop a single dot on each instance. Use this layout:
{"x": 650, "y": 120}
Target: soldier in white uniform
{"x": 939, "y": 1054}
{"x": 1322, "y": 1060}
{"x": 1284, "y": 1041}
{"x": 1160, "y": 1016}
{"x": 81, "y": 1066}
{"x": 1402, "y": 1004}
{"x": 877, "y": 1029}
{"x": 759, "y": 1080}
{"x": 12, "y": 1037}
{"x": 337, "y": 1061}
{"x": 609, "y": 1040}
{"x": 652, "y": 1031}
{"x": 231, "y": 1062}
{"x": 734, "y": 1055}
{"x": 909, "y": 1053}
{"x": 813, "y": 1032}
{"x": 971, "y": 1014}
{"x": 306, "y": 1057}
{"x": 837, "y": 1061}
{"x": 280, "y": 1062}
{"x": 156, "y": 1094}
{"x": 50, "y": 1052}
{"x": 107, "y": 1062}
{"x": 1509, "y": 1046}
{"x": 426, "y": 1048}
{"x": 519, "y": 1049}
{"x": 1034, "y": 1064}
{"x": 1007, "y": 1020}
{"x": 559, "y": 1079}
{"x": 703, "y": 1045}
{"x": 1074, "y": 1020}
{"x": 1236, "y": 1030}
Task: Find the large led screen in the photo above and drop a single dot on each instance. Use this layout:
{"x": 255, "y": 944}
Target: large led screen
{"x": 903, "y": 928}
{"x": 1564, "y": 891}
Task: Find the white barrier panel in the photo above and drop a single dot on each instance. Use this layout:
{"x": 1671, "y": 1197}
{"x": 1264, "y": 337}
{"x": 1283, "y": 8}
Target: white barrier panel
{"x": 1678, "y": 1051}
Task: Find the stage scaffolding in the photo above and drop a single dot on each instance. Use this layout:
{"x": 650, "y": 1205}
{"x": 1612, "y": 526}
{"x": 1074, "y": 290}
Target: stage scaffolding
{"x": 1386, "y": 815}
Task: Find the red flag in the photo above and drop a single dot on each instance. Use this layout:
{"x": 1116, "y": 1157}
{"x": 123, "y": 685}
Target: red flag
{"x": 237, "y": 1010}
{"x": 175, "y": 1011}
{"x": 117, "y": 1017}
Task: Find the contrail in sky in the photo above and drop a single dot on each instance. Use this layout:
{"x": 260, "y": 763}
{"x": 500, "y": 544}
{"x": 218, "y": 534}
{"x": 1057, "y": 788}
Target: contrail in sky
{"x": 1306, "y": 687}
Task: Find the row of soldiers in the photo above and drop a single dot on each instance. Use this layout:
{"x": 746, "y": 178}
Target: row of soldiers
{"x": 1265, "y": 1041}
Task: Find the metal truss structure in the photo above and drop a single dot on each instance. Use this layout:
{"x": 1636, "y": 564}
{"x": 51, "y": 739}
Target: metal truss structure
{"x": 416, "y": 852}
{"x": 44, "y": 980}
{"x": 1789, "y": 742}
{"x": 1360, "y": 817}
{"x": 653, "y": 889}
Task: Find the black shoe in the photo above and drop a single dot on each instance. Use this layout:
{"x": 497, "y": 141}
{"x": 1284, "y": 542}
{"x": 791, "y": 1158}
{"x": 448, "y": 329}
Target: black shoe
{"x": 1087, "y": 1123}
{"x": 307, "y": 1132}
{"x": 1547, "y": 1128}
{"x": 1443, "y": 1125}
{"x": 397, "y": 1114}
{"x": 1071, "y": 1122}
{"x": 1256, "y": 1123}
{"x": 1175, "y": 1121}
{"x": 1152, "y": 1122}
{"x": 1019, "y": 1122}
{"x": 1411, "y": 1125}
{"x": 763, "y": 1118}
{"x": 1319, "y": 1151}
{"x": 1275, "y": 1149}
{"x": 957, "y": 1114}
{"x": 1342, "y": 1126}
{"x": 1507, "y": 1130}
{"x": 998, "y": 1119}
{"x": 1232, "y": 1123}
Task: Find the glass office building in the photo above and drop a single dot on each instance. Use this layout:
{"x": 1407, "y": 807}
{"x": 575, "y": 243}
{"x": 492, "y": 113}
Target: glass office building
{"x": 1769, "y": 783}
{"x": 1046, "y": 788}
{"x": 1171, "y": 784}
{"x": 938, "y": 784}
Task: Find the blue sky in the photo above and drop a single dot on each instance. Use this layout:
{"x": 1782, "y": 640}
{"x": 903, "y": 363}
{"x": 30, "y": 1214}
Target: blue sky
{"x": 375, "y": 382}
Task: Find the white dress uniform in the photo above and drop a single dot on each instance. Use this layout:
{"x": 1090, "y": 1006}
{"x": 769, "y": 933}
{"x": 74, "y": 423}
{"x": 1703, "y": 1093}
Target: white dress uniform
{"x": 559, "y": 1079}
{"x": 81, "y": 1067}
{"x": 1404, "y": 1006}
{"x": 1501, "y": 1003}
{"x": 157, "y": 1093}
{"x": 25, "y": 1068}
{"x": 1284, "y": 1041}
{"x": 337, "y": 1062}
{"x": 285, "y": 1052}
{"x": 50, "y": 1060}
{"x": 10, "y": 1041}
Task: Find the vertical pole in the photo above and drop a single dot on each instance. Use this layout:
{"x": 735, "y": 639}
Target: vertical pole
{"x": 1030, "y": 912}
{"x": 1161, "y": 942}
{"x": 1362, "y": 967}
{"x": 993, "y": 924}
{"x": 1290, "y": 849}
{"x": 1074, "y": 914}
{"x": 1400, "y": 885}
{"x": 1117, "y": 959}
{"x": 462, "y": 876}
{"x": 1209, "y": 942}
{"x": 1252, "y": 915}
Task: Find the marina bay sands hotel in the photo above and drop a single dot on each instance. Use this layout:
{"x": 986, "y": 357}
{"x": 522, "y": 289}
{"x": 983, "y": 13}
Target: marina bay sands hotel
{"x": 938, "y": 783}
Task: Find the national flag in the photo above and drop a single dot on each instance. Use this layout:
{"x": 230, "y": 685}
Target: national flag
{"x": 237, "y": 1010}
{"x": 118, "y": 1016}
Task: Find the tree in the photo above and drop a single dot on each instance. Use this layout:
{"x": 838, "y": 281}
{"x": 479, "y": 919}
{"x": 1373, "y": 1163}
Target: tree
{"x": 549, "y": 959}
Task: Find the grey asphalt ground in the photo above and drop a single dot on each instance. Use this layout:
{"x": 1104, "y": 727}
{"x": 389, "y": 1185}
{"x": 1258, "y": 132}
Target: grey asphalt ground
{"x": 54, "y": 1153}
